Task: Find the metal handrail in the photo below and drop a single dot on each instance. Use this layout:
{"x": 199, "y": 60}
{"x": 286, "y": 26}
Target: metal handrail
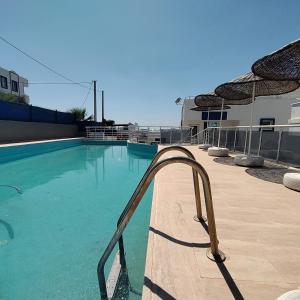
{"x": 203, "y": 131}
{"x": 214, "y": 252}
{"x": 189, "y": 154}
{"x": 199, "y": 217}
{"x": 258, "y": 126}
{"x": 198, "y": 133}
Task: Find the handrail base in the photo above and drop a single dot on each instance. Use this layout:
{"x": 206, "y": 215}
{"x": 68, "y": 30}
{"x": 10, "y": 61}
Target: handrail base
{"x": 202, "y": 219}
{"x": 217, "y": 258}
{"x": 113, "y": 276}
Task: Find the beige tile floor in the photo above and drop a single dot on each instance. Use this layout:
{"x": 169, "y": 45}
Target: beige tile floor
{"x": 258, "y": 226}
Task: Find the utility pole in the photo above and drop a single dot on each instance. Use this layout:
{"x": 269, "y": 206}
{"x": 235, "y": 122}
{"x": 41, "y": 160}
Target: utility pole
{"x": 95, "y": 100}
{"x": 102, "y": 106}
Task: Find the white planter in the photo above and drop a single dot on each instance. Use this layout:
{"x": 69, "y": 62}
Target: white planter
{"x": 292, "y": 181}
{"x": 204, "y": 146}
{"x": 218, "y": 152}
{"x": 249, "y": 161}
{"x": 291, "y": 295}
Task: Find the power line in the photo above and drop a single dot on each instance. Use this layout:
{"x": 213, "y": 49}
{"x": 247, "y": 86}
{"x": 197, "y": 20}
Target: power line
{"x": 73, "y": 83}
{"x": 84, "y": 101}
{"x": 41, "y": 63}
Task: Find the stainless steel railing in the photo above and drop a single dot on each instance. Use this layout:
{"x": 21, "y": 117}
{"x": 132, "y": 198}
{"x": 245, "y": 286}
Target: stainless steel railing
{"x": 140, "y": 134}
{"x": 214, "y": 253}
{"x": 195, "y": 178}
{"x": 200, "y": 137}
{"x": 104, "y": 133}
{"x": 275, "y": 142}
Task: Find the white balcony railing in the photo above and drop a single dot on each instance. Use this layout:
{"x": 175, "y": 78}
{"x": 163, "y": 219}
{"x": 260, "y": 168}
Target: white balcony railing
{"x": 140, "y": 134}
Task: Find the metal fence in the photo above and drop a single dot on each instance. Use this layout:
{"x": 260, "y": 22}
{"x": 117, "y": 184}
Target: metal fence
{"x": 107, "y": 133}
{"x": 277, "y": 142}
{"x": 29, "y": 113}
{"x": 141, "y": 134}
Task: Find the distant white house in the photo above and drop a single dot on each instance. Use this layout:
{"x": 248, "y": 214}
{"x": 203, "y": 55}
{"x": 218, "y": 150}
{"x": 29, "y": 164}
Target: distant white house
{"x": 12, "y": 83}
{"x": 278, "y": 110}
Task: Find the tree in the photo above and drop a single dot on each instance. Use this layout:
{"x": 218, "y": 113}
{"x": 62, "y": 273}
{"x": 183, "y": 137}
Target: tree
{"x": 79, "y": 113}
{"x": 109, "y": 122}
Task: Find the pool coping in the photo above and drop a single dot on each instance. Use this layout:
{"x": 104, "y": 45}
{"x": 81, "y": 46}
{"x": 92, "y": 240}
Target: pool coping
{"x": 38, "y": 142}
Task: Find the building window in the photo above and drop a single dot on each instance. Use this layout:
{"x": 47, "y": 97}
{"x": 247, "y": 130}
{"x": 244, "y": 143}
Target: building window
{"x": 267, "y": 121}
{"x": 3, "y": 82}
{"x": 214, "y": 115}
{"x": 14, "y": 86}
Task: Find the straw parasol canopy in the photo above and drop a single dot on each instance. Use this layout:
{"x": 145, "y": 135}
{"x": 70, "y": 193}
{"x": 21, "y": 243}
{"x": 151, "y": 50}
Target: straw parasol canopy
{"x": 210, "y": 108}
{"x": 208, "y": 100}
{"x": 250, "y": 85}
{"x": 283, "y": 64}
{"x": 212, "y": 99}
{"x": 241, "y": 88}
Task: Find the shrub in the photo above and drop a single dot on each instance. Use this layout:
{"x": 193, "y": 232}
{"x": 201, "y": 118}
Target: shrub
{"x": 78, "y": 112}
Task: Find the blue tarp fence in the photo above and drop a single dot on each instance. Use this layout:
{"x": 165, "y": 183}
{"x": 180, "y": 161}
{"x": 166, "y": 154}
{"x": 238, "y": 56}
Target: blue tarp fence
{"x": 28, "y": 113}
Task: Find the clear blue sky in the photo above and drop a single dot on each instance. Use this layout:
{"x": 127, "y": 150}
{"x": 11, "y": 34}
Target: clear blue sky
{"x": 144, "y": 54}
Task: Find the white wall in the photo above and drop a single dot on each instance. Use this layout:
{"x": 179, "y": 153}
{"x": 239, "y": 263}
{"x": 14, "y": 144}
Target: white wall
{"x": 11, "y": 75}
{"x": 295, "y": 115}
{"x": 190, "y": 117}
{"x": 15, "y": 131}
{"x": 278, "y": 107}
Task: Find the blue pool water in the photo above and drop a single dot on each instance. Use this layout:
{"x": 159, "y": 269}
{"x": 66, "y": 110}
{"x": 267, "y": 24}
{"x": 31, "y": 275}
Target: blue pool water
{"x": 53, "y": 234}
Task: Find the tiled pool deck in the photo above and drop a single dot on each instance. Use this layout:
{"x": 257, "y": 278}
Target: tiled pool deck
{"x": 258, "y": 226}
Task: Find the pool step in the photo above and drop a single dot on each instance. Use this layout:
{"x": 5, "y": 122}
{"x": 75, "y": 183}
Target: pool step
{"x": 113, "y": 276}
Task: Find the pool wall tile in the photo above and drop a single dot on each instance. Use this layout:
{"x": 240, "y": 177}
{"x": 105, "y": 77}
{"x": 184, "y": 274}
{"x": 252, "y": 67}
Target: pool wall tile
{"x": 14, "y": 152}
{"x": 112, "y": 143}
{"x": 144, "y": 148}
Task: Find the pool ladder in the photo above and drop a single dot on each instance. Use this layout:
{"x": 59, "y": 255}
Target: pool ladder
{"x": 213, "y": 252}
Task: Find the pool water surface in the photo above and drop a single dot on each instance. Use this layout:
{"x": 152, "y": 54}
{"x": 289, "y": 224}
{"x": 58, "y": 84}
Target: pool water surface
{"x": 53, "y": 234}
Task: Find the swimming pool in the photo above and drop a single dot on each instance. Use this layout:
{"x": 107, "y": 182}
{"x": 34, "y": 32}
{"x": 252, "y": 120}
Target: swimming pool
{"x": 53, "y": 234}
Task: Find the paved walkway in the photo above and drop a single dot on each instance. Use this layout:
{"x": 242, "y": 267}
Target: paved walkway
{"x": 258, "y": 226}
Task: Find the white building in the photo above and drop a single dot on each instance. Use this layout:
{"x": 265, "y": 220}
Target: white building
{"x": 295, "y": 116}
{"x": 12, "y": 83}
{"x": 278, "y": 110}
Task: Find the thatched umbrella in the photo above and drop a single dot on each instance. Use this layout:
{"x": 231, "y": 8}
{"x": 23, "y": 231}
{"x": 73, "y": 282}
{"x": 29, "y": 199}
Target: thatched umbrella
{"x": 283, "y": 64}
{"x": 249, "y": 85}
{"x": 209, "y": 108}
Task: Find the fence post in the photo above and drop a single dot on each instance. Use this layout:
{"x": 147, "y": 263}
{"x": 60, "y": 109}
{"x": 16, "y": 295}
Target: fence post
{"x": 181, "y": 135}
{"x": 279, "y": 144}
{"x": 213, "y": 138}
{"x": 234, "y": 143}
{"x": 259, "y": 142}
{"x": 226, "y": 135}
{"x": 160, "y": 135}
{"x": 30, "y": 113}
{"x": 246, "y": 135}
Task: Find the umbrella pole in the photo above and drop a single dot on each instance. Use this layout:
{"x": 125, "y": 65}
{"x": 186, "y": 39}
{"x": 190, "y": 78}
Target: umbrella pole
{"x": 251, "y": 119}
{"x": 207, "y": 127}
{"x": 220, "y": 125}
